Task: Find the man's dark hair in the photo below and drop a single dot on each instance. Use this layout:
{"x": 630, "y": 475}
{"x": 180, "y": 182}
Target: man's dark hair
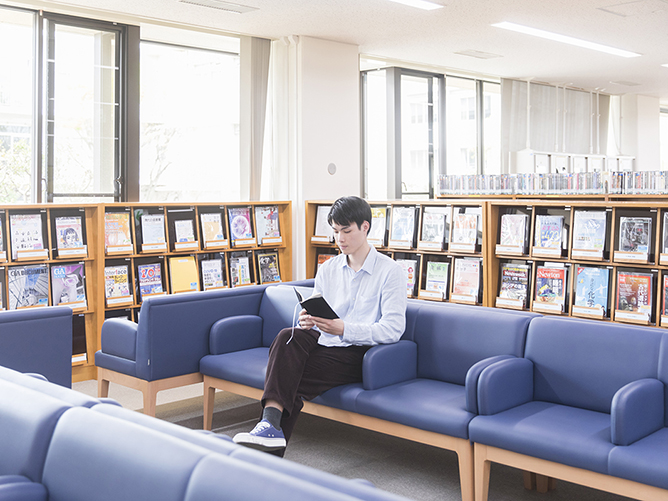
{"x": 348, "y": 210}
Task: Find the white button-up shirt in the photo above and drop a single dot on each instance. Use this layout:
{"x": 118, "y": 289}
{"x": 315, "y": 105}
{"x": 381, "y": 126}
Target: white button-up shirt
{"x": 371, "y": 301}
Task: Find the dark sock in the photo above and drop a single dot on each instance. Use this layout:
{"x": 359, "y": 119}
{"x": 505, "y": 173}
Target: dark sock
{"x": 273, "y": 415}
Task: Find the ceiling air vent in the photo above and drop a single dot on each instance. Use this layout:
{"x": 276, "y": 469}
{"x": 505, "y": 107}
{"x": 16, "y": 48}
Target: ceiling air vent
{"x": 478, "y": 54}
{"x": 216, "y": 4}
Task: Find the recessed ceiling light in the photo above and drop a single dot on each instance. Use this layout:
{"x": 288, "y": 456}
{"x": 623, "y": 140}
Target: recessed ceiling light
{"x": 625, "y": 83}
{"x": 420, "y": 4}
{"x": 478, "y": 54}
{"x": 220, "y": 5}
{"x": 564, "y": 39}
{"x": 666, "y": 65}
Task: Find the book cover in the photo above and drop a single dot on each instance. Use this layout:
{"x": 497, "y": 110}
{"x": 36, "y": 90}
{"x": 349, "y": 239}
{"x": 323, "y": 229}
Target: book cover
{"x": 634, "y": 292}
{"x": 266, "y": 219}
{"x": 150, "y": 279}
{"x": 322, "y": 227}
{"x": 26, "y": 232}
{"x": 550, "y": 285}
{"x": 316, "y": 306}
{"x": 69, "y": 232}
{"x": 152, "y": 229}
{"x": 514, "y": 281}
{"x": 664, "y": 311}
{"x": 664, "y": 248}
{"x": 184, "y": 230}
{"x": 212, "y": 274}
{"x": 241, "y": 227}
{"x": 635, "y": 234}
{"x": 67, "y": 284}
{"x": 183, "y": 274}
{"x": 466, "y": 279}
{"x": 116, "y": 283}
{"x": 589, "y": 229}
{"x": 548, "y": 231}
{"x": 591, "y": 287}
{"x": 322, "y": 258}
{"x": 268, "y": 266}
{"x": 2, "y": 231}
{"x": 438, "y": 273}
{"x": 117, "y": 229}
{"x": 239, "y": 270}
{"x": 433, "y": 225}
{"x": 465, "y": 229}
{"x": 378, "y": 225}
{"x": 212, "y": 226}
{"x": 410, "y": 269}
{"x": 28, "y": 286}
{"x": 403, "y": 224}
{"x": 513, "y": 230}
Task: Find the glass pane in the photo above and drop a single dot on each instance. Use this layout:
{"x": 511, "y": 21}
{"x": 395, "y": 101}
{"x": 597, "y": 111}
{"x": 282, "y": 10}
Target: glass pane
{"x": 375, "y": 136}
{"x": 461, "y": 130}
{"x": 84, "y": 110}
{"x": 189, "y": 123}
{"x": 16, "y": 105}
{"x": 663, "y": 127}
{"x": 491, "y": 105}
{"x": 415, "y": 147}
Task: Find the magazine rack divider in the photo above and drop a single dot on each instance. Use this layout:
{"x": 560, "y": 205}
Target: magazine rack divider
{"x": 651, "y": 266}
{"x": 90, "y": 248}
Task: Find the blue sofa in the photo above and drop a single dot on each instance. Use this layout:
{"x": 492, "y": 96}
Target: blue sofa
{"x": 50, "y": 329}
{"x": 422, "y": 388}
{"x": 54, "y": 450}
{"x": 585, "y": 404}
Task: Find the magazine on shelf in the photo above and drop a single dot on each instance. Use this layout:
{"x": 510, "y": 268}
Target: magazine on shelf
{"x": 241, "y": 226}
{"x": 117, "y": 285}
{"x": 240, "y": 273}
{"x": 2, "y": 292}
{"x": 322, "y": 257}
{"x": 635, "y": 234}
{"x": 514, "y": 284}
{"x": 664, "y": 305}
{"x": 378, "y": 231}
{"x": 591, "y": 291}
{"x": 466, "y": 280}
{"x": 117, "y": 232}
{"x": 3, "y": 251}
{"x": 464, "y": 232}
{"x": 153, "y": 232}
{"x": 316, "y": 306}
{"x": 438, "y": 275}
{"x": 68, "y": 285}
{"x": 183, "y": 275}
{"x": 266, "y": 220}
{"x": 402, "y": 230}
{"x": 664, "y": 247}
{"x": 513, "y": 234}
{"x": 69, "y": 234}
{"x": 550, "y": 289}
{"x": 589, "y": 233}
{"x": 212, "y": 274}
{"x": 410, "y": 270}
{"x": 26, "y": 235}
{"x": 634, "y": 295}
{"x": 549, "y": 231}
{"x": 28, "y": 286}
{"x": 150, "y": 279}
{"x": 323, "y": 232}
{"x": 433, "y": 232}
{"x": 184, "y": 230}
{"x": 268, "y": 267}
{"x": 212, "y": 230}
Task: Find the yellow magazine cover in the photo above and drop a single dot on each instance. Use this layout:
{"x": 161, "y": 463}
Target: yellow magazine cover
{"x": 117, "y": 229}
{"x": 183, "y": 274}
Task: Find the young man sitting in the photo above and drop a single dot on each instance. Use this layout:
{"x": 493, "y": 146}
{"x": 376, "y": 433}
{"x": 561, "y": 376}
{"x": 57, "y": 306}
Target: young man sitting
{"x": 367, "y": 290}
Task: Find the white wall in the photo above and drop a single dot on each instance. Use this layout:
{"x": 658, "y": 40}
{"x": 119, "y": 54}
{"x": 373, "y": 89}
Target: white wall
{"x": 640, "y": 136}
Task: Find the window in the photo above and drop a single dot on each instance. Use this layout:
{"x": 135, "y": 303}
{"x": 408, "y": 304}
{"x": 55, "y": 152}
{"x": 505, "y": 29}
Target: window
{"x": 375, "y": 130}
{"x": 663, "y": 131}
{"x": 491, "y": 128}
{"x": 461, "y": 128}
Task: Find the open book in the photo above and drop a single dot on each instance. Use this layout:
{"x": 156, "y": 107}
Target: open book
{"x": 316, "y": 306}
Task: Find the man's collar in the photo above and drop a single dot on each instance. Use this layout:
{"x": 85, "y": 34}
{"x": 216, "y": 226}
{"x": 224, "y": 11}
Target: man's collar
{"x": 369, "y": 261}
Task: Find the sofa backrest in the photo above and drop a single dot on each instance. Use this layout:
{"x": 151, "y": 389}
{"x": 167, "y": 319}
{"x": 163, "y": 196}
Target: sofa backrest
{"x": 27, "y": 421}
{"x": 663, "y": 372}
{"x": 278, "y": 308}
{"x": 38, "y": 340}
{"x": 582, "y": 363}
{"x": 451, "y": 338}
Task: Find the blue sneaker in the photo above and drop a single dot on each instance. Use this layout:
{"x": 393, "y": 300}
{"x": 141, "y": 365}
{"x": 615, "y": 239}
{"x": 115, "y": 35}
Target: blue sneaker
{"x": 263, "y": 437}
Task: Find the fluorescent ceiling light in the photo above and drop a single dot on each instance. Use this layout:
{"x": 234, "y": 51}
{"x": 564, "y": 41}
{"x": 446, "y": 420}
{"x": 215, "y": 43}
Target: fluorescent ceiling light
{"x": 420, "y": 4}
{"x": 564, "y": 39}
{"x": 666, "y": 65}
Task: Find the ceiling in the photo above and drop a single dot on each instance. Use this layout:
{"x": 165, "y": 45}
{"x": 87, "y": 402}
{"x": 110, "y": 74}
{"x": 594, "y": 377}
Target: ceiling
{"x": 433, "y": 38}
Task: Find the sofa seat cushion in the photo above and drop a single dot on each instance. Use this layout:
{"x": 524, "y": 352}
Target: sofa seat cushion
{"x": 568, "y": 435}
{"x": 644, "y": 461}
{"x": 246, "y": 367}
{"x": 341, "y": 397}
{"x": 23, "y": 491}
{"x": 426, "y": 404}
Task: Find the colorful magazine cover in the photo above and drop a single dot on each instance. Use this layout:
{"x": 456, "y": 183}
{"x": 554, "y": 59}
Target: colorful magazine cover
{"x": 634, "y": 292}
{"x": 403, "y": 224}
{"x": 117, "y": 229}
{"x": 266, "y": 219}
{"x": 514, "y": 281}
{"x": 69, "y": 232}
{"x": 378, "y": 225}
{"x": 28, "y": 286}
{"x": 550, "y": 285}
{"x": 410, "y": 269}
{"x": 268, "y": 264}
{"x": 548, "y": 231}
{"x": 183, "y": 274}
{"x": 26, "y": 232}
{"x": 591, "y": 287}
{"x": 635, "y": 234}
{"x": 212, "y": 226}
{"x": 241, "y": 227}
{"x": 589, "y": 230}
{"x": 116, "y": 282}
{"x": 150, "y": 279}
{"x": 239, "y": 271}
{"x": 466, "y": 280}
{"x": 212, "y": 274}
{"x": 67, "y": 283}
{"x": 438, "y": 273}
{"x": 465, "y": 229}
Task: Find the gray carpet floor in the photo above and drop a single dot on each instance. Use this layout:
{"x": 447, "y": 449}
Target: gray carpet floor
{"x": 413, "y": 470}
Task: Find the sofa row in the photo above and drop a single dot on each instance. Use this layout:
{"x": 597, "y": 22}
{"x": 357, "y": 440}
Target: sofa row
{"x": 573, "y": 399}
{"x": 58, "y": 444}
